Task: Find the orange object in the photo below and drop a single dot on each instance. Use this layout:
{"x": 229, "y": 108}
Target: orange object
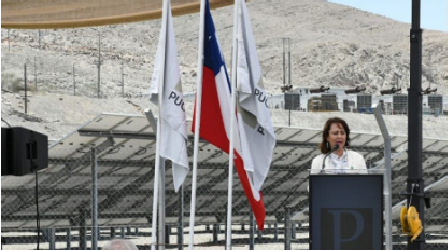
{"x": 404, "y": 221}
{"x": 414, "y": 222}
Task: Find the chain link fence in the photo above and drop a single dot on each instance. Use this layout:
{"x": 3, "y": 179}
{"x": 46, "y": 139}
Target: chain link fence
{"x": 77, "y": 203}
{"x": 90, "y": 62}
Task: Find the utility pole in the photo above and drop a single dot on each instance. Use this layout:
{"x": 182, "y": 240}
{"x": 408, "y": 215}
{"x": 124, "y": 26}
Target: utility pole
{"x": 286, "y": 49}
{"x": 99, "y": 63}
{"x": 289, "y": 62}
{"x": 415, "y": 182}
{"x": 122, "y": 79}
{"x": 35, "y": 73}
{"x": 26, "y": 89}
{"x": 284, "y": 62}
{"x": 287, "y": 89}
{"x": 289, "y": 110}
{"x": 74, "y": 82}
{"x": 39, "y": 39}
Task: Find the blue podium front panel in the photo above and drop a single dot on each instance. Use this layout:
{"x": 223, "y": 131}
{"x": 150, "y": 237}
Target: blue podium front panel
{"x": 346, "y": 212}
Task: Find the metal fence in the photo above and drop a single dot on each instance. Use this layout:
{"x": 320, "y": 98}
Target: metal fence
{"x": 80, "y": 203}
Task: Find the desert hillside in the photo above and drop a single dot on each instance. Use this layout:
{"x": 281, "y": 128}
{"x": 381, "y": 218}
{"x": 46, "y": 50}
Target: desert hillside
{"x": 329, "y": 44}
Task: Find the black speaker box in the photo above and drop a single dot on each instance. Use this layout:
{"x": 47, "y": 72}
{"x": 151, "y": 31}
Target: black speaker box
{"x": 23, "y": 151}
{"x": 6, "y": 151}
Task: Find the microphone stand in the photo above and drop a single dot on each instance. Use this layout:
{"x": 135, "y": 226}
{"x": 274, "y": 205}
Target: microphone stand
{"x": 334, "y": 149}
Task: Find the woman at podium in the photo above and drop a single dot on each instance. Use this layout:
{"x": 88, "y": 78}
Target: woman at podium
{"x": 336, "y": 155}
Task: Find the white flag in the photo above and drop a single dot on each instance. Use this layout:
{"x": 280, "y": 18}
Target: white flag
{"x": 173, "y": 124}
{"x": 255, "y": 124}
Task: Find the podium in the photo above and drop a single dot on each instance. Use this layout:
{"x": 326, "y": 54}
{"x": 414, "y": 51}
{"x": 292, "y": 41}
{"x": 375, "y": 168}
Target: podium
{"x": 346, "y": 210}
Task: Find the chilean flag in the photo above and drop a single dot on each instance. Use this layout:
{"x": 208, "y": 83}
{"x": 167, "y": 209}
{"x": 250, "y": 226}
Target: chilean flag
{"x": 215, "y": 110}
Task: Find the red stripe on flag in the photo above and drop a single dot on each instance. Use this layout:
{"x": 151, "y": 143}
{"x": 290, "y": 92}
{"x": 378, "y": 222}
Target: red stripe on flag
{"x": 212, "y": 129}
{"x": 212, "y": 125}
{"x": 257, "y": 206}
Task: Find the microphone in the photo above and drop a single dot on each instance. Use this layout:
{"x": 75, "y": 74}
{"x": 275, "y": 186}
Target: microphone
{"x": 334, "y": 149}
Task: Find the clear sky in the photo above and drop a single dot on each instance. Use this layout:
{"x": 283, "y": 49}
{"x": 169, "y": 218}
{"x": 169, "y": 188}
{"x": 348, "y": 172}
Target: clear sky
{"x": 433, "y": 12}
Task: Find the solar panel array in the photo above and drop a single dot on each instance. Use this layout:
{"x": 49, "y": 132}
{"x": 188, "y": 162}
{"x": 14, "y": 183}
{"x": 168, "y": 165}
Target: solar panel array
{"x": 124, "y": 146}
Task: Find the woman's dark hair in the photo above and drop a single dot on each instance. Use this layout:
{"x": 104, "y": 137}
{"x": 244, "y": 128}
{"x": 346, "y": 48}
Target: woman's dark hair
{"x": 324, "y": 146}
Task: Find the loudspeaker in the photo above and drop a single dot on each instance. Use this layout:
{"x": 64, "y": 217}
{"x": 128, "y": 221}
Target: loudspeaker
{"x": 6, "y": 151}
{"x": 23, "y": 151}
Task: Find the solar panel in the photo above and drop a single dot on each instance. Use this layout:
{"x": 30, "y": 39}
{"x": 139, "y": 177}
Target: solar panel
{"x": 126, "y": 173}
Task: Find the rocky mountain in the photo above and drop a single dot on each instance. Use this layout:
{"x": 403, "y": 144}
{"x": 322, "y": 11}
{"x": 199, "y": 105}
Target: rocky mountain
{"x": 328, "y": 44}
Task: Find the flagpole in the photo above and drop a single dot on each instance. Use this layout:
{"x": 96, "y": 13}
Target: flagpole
{"x": 197, "y": 124}
{"x": 159, "y": 126}
{"x": 232, "y": 120}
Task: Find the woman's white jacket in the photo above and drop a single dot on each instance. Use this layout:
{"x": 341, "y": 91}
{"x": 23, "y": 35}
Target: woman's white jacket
{"x": 355, "y": 161}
